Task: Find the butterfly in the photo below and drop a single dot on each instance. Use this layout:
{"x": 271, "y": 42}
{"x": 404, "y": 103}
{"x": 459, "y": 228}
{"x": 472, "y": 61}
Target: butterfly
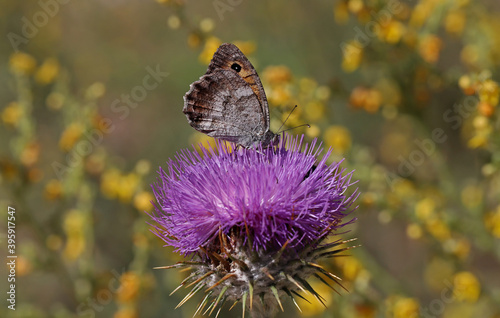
{"x": 229, "y": 101}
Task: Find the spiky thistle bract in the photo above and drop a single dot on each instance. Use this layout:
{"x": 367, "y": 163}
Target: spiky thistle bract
{"x": 254, "y": 221}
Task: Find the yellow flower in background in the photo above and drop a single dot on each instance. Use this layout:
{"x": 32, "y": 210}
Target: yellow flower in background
{"x": 391, "y": 32}
{"x": 323, "y": 93}
{"x": 207, "y": 25}
{"x": 194, "y": 40}
{"x": 461, "y": 248}
{"x": 358, "y": 97}
{"x": 30, "y": 154}
{"x": 130, "y": 283}
{"x": 341, "y": 12}
{"x": 414, "y": 231}
{"x": 430, "y": 47}
{"x": 355, "y": 6}
{"x": 174, "y": 22}
{"x": 142, "y": 201}
{"x": 478, "y": 141}
{"x": 313, "y": 307}
{"x": 352, "y": 54}
{"x": 438, "y": 229}
{"x": 307, "y": 85}
{"x": 466, "y": 287}
{"x": 485, "y": 109}
{"x": 211, "y": 45}
{"x": 421, "y": 13}
{"x": 314, "y": 111}
{"x": 142, "y": 167}
{"x": 482, "y": 131}
{"x": 489, "y": 92}
{"x": 95, "y": 162}
{"x": 466, "y": 84}
{"x": 23, "y": 266}
{"x": 73, "y": 225}
{"x": 438, "y": 271}
{"x": 369, "y": 198}
{"x": 276, "y": 75}
{"x": 405, "y": 189}
{"x": 22, "y": 63}
{"x": 351, "y": 267}
{"x": 110, "y": 181}
{"x": 127, "y": 187}
{"x": 129, "y": 312}
{"x": 12, "y": 114}
{"x": 95, "y": 91}
{"x": 425, "y": 209}
{"x": 369, "y": 99}
{"x": 53, "y": 189}
{"x": 70, "y": 136}
{"x": 454, "y": 22}
{"x": 74, "y": 222}
{"x": 405, "y": 307}
{"x": 279, "y": 95}
{"x": 373, "y": 101}
{"x": 313, "y": 132}
{"x": 481, "y": 123}
{"x": 390, "y": 94}
{"x": 197, "y": 138}
{"x": 47, "y": 72}
{"x": 470, "y": 54}
{"x": 339, "y": 138}
{"x": 472, "y": 196}
{"x": 55, "y": 101}
{"x": 492, "y": 222}
{"x": 246, "y": 47}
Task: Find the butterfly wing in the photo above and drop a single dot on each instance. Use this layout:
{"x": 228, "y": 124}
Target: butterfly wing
{"x": 229, "y": 102}
{"x": 229, "y": 57}
{"x": 221, "y": 104}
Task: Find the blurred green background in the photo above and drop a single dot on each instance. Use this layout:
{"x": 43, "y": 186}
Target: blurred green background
{"x": 406, "y": 91}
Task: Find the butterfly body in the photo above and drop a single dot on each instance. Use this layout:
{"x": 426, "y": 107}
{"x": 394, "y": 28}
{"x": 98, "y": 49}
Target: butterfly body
{"x": 229, "y": 101}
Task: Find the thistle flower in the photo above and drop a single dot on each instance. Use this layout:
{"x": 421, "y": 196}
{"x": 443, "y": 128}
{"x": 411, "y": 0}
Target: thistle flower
{"x": 254, "y": 220}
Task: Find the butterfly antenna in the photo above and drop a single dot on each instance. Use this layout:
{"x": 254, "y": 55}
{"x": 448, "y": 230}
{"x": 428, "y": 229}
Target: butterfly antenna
{"x": 289, "y": 114}
{"x": 308, "y": 126}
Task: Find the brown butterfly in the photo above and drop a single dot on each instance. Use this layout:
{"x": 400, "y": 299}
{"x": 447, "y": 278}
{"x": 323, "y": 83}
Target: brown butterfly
{"x": 229, "y": 102}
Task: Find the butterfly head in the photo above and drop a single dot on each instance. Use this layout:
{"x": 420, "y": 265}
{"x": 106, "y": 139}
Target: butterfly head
{"x": 270, "y": 139}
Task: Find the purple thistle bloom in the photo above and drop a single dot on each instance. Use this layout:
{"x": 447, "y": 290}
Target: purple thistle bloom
{"x": 255, "y": 221}
{"x": 276, "y": 195}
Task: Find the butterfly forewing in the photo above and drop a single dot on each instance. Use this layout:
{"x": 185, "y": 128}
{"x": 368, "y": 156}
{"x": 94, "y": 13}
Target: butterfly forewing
{"x": 229, "y": 57}
{"x": 229, "y": 102}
